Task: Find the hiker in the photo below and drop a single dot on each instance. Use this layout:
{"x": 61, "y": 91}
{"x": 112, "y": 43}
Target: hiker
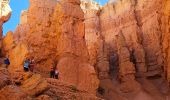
{"x": 26, "y": 65}
{"x": 6, "y": 62}
{"x": 56, "y": 73}
{"x": 32, "y": 65}
{"x": 52, "y": 72}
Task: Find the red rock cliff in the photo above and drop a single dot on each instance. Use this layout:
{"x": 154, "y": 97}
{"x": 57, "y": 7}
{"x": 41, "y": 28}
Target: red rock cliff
{"x": 144, "y": 25}
{"x": 53, "y": 32}
{"x": 124, "y": 44}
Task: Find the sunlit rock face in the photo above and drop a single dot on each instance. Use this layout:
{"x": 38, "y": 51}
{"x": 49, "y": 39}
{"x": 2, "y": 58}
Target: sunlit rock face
{"x": 5, "y": 13}
{"x": 96, "y": 48}
{"x": 73, "y": 63}
{"x": 5, "y": 10}
{"x": 89, "y": 5}
{"x": 112, "y": 1}
{"x": 35, "y": 32}
{"x": 52, "y": 31}
{"x": 92, "y": 29}
{"x": 126, "y": 42}
{"x": 22, "y": 28}
{"x": 24, "y": 17}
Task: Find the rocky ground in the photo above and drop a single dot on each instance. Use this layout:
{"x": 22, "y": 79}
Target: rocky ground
{"x": 31, "y": 86}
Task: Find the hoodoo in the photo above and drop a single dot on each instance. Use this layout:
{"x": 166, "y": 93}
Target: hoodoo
{"x": 5, "y": 13}
{"x": 116, "y": 51}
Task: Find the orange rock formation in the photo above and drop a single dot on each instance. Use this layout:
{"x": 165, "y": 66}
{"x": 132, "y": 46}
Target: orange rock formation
{"x": 119, "y": 51}
{"x": 53, "y": 33}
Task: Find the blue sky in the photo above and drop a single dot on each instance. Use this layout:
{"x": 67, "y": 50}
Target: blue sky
{"x": 102, "y": 2}
{"x": 17, "y": 6}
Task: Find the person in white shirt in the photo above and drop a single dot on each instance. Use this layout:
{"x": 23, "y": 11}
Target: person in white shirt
{"x": 56, "y": 73}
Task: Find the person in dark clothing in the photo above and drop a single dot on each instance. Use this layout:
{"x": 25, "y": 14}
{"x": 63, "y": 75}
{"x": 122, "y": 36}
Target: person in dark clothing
{"x": 52, "y": 72}
{"x": 26, "y": 65}
{"x": 6, "y": 62}
{"x": 31, "y": 66}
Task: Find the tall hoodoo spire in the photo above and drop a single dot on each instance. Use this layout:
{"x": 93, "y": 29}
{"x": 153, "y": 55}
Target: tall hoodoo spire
{"x": 5, "y": 10}
{"x": 5, "y": 14}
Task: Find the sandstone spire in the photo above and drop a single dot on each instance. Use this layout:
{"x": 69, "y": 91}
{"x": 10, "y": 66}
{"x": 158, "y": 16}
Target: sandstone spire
{"x": 5, "y": 13}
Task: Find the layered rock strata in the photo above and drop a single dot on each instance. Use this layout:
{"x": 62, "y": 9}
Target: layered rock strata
{"x": 165, "y": 28}
{"x": 73, "y": 65}
{"x": 144, "y": 26}
{"x": 140, "y": 23}
{"x": 127, "y": 46}
{"x": 51, "y": 33}
{"x": 94, "y": 42}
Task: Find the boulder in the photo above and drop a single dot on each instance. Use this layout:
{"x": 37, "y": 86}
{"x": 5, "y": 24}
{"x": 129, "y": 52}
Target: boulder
{"x": 43, "y": 97}
{"x": 65, "y": 91}
{"x": 79, "y": 74}
{"x": 13, "y": 93}
{"x": 4, "y": 77}
{"x": 35, "y": 85}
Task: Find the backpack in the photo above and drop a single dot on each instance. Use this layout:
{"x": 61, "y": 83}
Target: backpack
{"x": 6, "y": 61}
{"x": 26, "y": 64}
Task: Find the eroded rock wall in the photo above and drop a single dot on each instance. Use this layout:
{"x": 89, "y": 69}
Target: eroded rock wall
{"x": 5, "y": 14}
{"x": 92, "y": 30}
{"x": 52, "y": 31}
{"x": 165, "y": 28}
{"x": 94, "y": 41}
{"x": 144, "y": 25}
{"x": 149, "y": 19}
{"x": 35, "y": 34}
{"x": 125, "y": 39}
{"x": 120, "y": 16}
{"x": 73, "y": 65}
{"x": 140, "y": 24}
{"x": 145, "y": 28}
